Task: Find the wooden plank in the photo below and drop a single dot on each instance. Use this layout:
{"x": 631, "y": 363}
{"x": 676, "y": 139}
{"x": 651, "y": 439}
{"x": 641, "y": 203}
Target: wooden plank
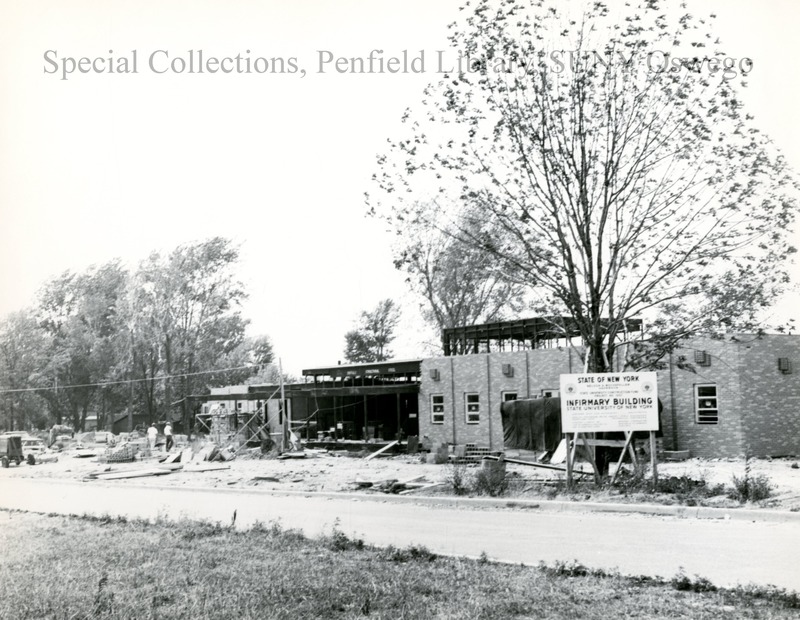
{"x": 291, "y": 455}
{"x": 534, "y": 464}
{"x": 422, "y": 488}
{"x": 135, "y": 473}
{"x": 590, "y": 455}
{"x": 170, "y": 466}
{"x": 561, "y": 452}
{"x": 605, "y": 443}
{"x": 653, "y": 458}
{"x": 382, "y": 450}
{"x": 629, "y": 437}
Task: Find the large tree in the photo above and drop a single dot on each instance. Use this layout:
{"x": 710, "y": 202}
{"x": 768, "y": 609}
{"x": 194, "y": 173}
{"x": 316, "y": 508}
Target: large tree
{"x": 369, "y": 342}
{"x": 620, "y": 179}
{"x": 80, "y": 316}
{"x": 460, "y": 284}
{"x": 185, "y": 318}
{"x": 22, "y": 355}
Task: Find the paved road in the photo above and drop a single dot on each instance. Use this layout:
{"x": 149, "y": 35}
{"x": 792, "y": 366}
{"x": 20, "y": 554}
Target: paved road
{"x": 725, "y": 551}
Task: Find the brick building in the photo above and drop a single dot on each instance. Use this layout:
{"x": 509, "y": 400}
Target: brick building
{"x": 743, "y": 395}
{"x": 721, "y": 397}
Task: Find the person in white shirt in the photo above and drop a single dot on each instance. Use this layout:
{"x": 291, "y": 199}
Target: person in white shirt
{"x": 152, "y": 434}
{"x": 168, "y": 435}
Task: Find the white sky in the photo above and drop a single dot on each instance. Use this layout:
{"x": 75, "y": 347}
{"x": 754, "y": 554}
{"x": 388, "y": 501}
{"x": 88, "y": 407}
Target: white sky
{"x": 105, "y": 166}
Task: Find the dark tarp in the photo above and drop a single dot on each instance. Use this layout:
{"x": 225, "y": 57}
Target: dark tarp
{"x": 532, "y": 424}
{"x": 535, "y": 424}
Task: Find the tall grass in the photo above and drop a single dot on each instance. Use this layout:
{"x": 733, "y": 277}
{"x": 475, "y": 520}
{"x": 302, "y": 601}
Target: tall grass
{"x": 80, "y": 568}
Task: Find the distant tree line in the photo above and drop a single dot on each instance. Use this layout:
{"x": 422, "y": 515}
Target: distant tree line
{"x": 108, "y": 341}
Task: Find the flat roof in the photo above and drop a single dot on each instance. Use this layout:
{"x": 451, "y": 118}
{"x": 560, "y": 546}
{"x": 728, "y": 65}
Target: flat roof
{"x": 389, "y": 367}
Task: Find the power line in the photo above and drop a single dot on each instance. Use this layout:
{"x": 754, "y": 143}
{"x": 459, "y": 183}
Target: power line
{"x": 125, "y": 381}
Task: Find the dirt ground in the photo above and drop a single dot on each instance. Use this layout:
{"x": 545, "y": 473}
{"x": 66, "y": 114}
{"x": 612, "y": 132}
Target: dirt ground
{"x": 341, "y": 471}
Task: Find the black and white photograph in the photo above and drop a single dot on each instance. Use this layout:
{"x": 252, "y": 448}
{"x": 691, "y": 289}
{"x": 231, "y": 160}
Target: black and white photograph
{"x": 349, "y": 308}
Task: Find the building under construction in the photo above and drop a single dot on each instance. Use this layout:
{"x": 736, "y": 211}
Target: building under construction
{"x": 721, "y": 397}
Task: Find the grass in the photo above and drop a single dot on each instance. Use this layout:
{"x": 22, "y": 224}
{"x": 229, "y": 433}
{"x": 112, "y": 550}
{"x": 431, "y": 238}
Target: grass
{"x": 81, "y": 568}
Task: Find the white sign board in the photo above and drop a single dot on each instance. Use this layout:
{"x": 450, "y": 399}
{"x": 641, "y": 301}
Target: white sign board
{"x": 619, "y": 401}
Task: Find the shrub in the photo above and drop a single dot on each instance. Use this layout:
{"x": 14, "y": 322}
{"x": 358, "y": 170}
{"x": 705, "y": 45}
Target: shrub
{"x": 458, "y": 478}
{"x": 491, "y": 479}
{"x": 750, "y": 488}
{"x": 418, "y": 553}
{"x": 686, "y": 584}
{"x": 337, "y": 540}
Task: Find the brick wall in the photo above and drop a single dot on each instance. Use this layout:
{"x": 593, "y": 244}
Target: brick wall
{"x": 770, "y": 398}
{"x": 527, "y": 373}
{"x": 724, "y": 439}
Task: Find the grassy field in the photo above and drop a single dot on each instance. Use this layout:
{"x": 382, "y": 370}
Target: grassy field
{"x": 81, "y": 568}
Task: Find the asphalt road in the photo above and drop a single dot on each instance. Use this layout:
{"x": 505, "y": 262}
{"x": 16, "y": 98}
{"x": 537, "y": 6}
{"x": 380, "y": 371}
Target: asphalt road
{"x": 727, "y": 552}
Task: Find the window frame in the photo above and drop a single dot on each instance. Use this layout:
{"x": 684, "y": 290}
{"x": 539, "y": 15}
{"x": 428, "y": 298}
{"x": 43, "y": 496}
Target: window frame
{"x": 435, "y": 413}
{"x": 703, "y": 411}
{"x": 476, "y": 413}
{"x": 504, "y": 395}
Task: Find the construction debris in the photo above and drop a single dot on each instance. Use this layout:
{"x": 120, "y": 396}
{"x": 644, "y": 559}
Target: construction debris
{"x": 207, "y": 453}
{"x": 264, "y": 479}
{"x": 392, "y": 485}
{"x": 226, "y": 454}
{"x": 292, "y": 455}
{"x": 124, "y": 453}
{"x": 421, "y": 488}
{"x": 85, "y": 453}
{"x": 382, "y": 450}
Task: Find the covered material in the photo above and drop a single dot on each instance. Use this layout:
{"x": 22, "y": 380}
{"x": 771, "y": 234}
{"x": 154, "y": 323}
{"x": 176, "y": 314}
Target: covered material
{"x": 532, "y": 424}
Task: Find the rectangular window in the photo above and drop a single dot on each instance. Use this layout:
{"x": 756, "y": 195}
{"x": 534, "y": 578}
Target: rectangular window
{"x": 437, "y": 409}
{"x": 507, "y": 396}
{"x": 550, "y": 393}
{"x": 705, "y": 404}
{"x": 472, "y": 403}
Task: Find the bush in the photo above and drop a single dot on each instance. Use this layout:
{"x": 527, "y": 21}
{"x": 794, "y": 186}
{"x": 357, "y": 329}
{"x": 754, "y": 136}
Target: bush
{"x": 683, "y": 583}
{"x": 415, "y": 553}
{"x": 491, "y": 479}
{"x": 458, "y": 478}
{"x": 750, "y": 488}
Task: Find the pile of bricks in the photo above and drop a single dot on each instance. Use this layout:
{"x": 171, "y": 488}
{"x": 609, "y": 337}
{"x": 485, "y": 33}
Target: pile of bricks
{"x": 470, "y": 454}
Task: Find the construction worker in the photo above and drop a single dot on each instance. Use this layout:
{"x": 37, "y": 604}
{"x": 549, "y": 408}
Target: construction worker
{"x": 152, "y": 434}
{"x": 168, "y": 435}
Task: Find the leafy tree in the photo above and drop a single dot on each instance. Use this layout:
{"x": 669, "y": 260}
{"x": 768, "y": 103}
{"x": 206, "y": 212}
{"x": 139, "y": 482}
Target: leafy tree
{"x": 79, "y": 314}
{"x": 186, "y": 316}
{"x": 22, "y": 354}
{"x": 369, "y": 342}
{"x": 460, "y": 283}
{"x": 622, "y": 179}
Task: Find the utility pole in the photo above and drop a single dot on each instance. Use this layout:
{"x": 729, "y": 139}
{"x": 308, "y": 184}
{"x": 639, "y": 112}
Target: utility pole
{"x": 286, "y": 419}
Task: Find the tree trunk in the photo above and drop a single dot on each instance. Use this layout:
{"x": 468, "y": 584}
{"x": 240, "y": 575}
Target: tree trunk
{"x": 168, "y": 369}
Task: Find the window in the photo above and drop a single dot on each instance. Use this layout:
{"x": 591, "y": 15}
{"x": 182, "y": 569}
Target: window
{"x": 472, "y": 404}
{"x": 507, "y": 396}
{"x": 549, "y": 393}
{"x": 437, "y": 409}
{"x": 705, "y": 404}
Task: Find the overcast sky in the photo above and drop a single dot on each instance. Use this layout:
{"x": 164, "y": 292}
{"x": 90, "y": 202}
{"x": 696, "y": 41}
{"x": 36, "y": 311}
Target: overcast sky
{"x": 99, "y": 165}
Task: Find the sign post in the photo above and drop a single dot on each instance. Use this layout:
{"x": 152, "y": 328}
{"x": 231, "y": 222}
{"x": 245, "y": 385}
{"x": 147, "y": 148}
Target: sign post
{"x": 609, "y": 402}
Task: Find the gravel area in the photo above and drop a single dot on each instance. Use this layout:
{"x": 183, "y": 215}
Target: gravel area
{"x": 341, "y": 471}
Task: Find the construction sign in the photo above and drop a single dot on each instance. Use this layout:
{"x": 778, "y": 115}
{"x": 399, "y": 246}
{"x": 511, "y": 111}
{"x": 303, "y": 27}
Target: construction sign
{"x": 608, "y": 402}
